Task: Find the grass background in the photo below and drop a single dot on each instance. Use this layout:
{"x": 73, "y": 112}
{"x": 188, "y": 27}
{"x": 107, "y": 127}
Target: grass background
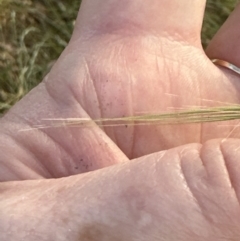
{"x": 33, "y": 33}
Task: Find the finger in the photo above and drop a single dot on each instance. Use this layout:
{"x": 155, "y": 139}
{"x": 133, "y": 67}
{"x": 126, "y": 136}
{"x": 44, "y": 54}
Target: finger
{"x": 225, "y": 44}
{"x": 191, "y": 192}
{"x": 180, "y": 18}
{"x": 30, "y": 152}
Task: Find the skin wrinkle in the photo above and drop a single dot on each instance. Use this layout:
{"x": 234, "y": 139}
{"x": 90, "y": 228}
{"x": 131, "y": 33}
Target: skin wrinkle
{"x": 132, "y": 101}
{"x": 43, "y": 168}
{"x": 204, "y": 166}
{"x": 191, "y": 191}
{"x": 59, "y": 102}
{"x": 201, "y": 124}
{"x": 157, "y": 56}
{"x": 8, "y": 172}
{"x": 119, "y": 50}
{"x": 133, "y": 131}
{"x": 186, "y": 183}
{"x": 29, "y": 171}
{"x": 113, "y": 137}
{"x": 207, "y": 162}
{"x": 58, "y": 146}
{"x": 178, "y": 63}
{"x": 24, "y": 147}
{"x": 54, "y": 140}
{"x": 50, "y": 92}
{"x": 176, "y": 37}
{"x": 133, "y": 128}
{"x": 88, "y": 73}
{"x": 185, "y": 180}
{"x": 228, "y": 171}
{"x": 30, "y": 124}
{"x": 161, "y": 44}
{"x": 169, "y": 72}
{"x": 199, "y": 91}
{"x": 218, "y": 204}
{"x": 184, "y": 189}
{"x": 74, "y": 94}
{"x": 114, "y": 53}
{"x": 169, "y": 41}
{"x": 20, "y": 143}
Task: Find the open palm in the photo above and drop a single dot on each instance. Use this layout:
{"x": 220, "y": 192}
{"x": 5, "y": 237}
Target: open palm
{"x": 126, "y": 58}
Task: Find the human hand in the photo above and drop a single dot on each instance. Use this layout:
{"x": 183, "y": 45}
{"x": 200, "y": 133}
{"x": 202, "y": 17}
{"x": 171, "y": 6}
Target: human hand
{"x": 114, "y": 59}
{"x": 188, "y": 193}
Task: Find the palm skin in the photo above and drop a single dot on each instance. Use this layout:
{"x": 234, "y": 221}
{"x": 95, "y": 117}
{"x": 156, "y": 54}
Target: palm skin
{"x": 150, "y": 74}
{"x": 114, "y": 66}
{"x": 127, "y": 69}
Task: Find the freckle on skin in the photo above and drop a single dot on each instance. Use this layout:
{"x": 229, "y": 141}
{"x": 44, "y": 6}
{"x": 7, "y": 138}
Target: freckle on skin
{"x": 65, "y": 221}
{"x": 101, "y": 232}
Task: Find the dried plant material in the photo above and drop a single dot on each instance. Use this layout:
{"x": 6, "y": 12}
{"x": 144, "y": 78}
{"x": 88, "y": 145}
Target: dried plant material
{"x": 199, "y": 115}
